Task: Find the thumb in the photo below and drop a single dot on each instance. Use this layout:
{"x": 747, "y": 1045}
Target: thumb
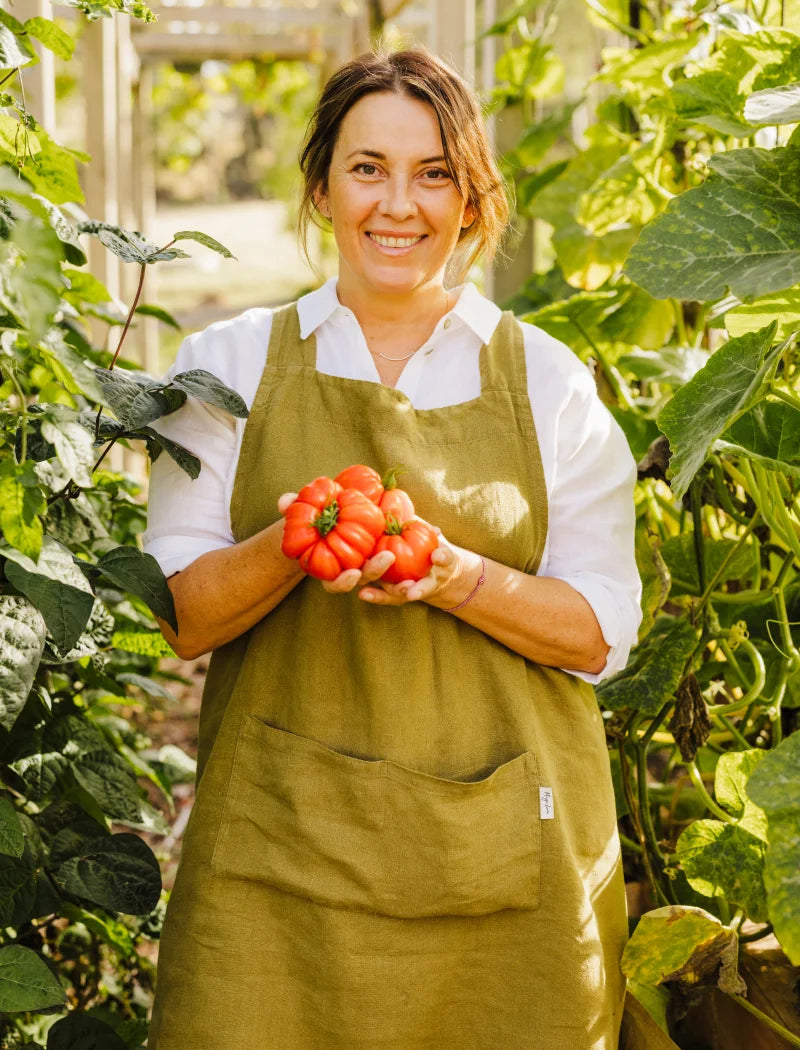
{"x": 285, "y": 501}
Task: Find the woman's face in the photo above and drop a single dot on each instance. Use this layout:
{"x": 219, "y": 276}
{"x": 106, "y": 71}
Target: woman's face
{"x": 395, "y": 210}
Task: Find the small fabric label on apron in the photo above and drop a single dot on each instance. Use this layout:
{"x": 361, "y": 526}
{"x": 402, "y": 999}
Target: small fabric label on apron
{"x": 546, "y": 811}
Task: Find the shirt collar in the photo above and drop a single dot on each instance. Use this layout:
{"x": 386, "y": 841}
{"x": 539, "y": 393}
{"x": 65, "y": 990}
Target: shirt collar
{"x": 475, "y": 310}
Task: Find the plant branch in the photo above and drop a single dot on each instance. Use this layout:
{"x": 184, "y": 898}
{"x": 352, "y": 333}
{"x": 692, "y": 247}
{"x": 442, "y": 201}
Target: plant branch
{"x": 754, "y": 520}
{"x": 791, "y": 1039}
{"x": 23, "y": 408}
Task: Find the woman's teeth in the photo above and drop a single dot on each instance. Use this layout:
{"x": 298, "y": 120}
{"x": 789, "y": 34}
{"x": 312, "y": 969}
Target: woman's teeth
{"x": 394, "y": 242}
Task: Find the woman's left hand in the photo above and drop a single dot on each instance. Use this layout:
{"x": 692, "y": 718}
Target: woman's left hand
{"x": 449, "y": 565}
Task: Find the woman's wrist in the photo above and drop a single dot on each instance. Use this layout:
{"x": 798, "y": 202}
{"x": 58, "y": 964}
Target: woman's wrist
{"x": 464, "y": 584}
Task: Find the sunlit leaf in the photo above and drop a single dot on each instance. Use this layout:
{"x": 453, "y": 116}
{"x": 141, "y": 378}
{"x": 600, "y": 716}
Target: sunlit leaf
{"x": 22, "y": 636}
{"x": 207, "y": 387}
{"x": 783, "y": 307}
{"x": 725, "y": 860}
{"x": 654, "y": 671}
{"x": 769, "y": 434}
{"x": 205, "y": 240}
{"x": 51, "y": 34}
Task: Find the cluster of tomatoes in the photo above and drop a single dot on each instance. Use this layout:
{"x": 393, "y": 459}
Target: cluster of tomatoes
{"x": 338, "y": 523}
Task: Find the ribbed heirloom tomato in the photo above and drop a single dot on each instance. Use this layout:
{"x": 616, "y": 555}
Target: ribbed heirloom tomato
{"x": 330, "y": 529}
{"x": 381, "y": 490}
{"x": 412, "y": 544}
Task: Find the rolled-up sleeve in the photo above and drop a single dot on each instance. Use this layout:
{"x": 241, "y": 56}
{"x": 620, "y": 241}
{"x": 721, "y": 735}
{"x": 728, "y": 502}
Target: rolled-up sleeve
{"x": 591, "y": 512}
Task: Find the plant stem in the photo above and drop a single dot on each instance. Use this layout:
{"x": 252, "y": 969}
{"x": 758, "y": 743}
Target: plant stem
{"x": 792, "y": 1040}
{"x": 23, "y": 409}
{"x": 702, "y": 790}
{"x": 725, "y": 562}
{"x": 731, "y": 728}
{"x": 753, "y": 692}
{"x": 615, "y": 380}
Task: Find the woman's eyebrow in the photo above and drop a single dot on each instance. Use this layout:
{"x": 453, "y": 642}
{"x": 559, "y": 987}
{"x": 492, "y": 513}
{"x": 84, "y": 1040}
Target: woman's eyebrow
{"x": 382, "y": 156}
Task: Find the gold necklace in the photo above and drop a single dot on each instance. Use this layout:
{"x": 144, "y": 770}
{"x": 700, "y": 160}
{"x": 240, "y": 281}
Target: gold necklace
{"x": 405, "y": 357}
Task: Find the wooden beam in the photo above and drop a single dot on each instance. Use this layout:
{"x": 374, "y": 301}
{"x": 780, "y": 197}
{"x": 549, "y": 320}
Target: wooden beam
{"x": 40, "y": 79}
{"x": 202, "y": 46}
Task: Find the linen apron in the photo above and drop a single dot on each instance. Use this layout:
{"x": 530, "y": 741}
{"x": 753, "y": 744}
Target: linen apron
{"x": 371, "y": 863}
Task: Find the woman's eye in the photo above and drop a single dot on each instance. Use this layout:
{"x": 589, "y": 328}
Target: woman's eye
{"x": 365, "y": 168}
{"x": 437, "y": 174}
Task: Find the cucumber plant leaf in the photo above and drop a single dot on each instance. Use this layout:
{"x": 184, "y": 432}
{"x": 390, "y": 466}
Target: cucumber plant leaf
{"x": 739, "y": 230}
{"x": 725, "y": 860}
{"x": 725, "y": 388}
{"x": 769, "y": 434}
{"x": 654, "y": 670}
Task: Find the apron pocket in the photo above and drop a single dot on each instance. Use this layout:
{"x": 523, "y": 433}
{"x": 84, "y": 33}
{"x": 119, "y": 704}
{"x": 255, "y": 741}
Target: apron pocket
{"x": 375, "y": 836}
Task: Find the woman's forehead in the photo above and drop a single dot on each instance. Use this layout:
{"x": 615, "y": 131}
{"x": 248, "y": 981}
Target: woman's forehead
{"x": 386, "y": 123}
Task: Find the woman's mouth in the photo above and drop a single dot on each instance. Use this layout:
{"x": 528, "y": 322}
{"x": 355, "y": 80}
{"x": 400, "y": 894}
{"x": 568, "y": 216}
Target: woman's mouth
{"x": 395, "y": 242}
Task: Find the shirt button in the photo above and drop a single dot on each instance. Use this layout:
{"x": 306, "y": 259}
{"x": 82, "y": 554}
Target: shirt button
{"x": 448, "y": 321}
{"x": 429, "y": 350}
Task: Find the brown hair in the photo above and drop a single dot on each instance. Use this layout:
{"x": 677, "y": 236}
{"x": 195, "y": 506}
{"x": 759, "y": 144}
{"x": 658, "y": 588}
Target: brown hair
{"x": 418, "y": 73}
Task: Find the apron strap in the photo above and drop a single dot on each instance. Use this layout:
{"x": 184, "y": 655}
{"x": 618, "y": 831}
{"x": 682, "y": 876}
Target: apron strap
{"x": 502, "y": 359}
{"x": 285, "y": 345}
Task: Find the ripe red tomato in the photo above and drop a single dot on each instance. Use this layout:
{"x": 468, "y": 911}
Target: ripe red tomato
{"x": 412, "y": 544}
{"x": 365, "y": 479}
{"x": 381, "y": 490}
{"x": 330, "y": 529}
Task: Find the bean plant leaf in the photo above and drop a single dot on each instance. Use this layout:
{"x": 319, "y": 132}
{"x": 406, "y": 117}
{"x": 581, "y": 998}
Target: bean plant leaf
{"x": 140, "y": 574}
{"x": 78, "y": 1031}
{"x": 683, "y": 944}
{"x": 724, "y": 389}
{"x": 725, "y": 860}
{"x": 205, "y": 240}
{"x": 31, "y": 285}
{"x": 72, "y": 443}
{"x": 17, "y": 888}
{"x": 118, "y": 872}
{"x": 136, "y": 398}
{"x": 207, "y": 387}
{"x": 14, "y": 50}
{"x": 156, "y": 443}
{"x": 739, "y": 230}
{"x": 21, "y": 503}
{"x": 22, "y": 636}
{"x": 57, "y": 588}
{"x": 143, "y": 643}
{"x": 773, "y": 787}
{"x": 776, "y": 105}
{"x": 26, "y": 982}
{"x": 769, "y": 434}
{"x": 51, "y": 34}
{"x": 160, "y": 314}
{"x": 12, "y": 840}
{"x": 654, "y": 671}
{"x": 129, "y": 245}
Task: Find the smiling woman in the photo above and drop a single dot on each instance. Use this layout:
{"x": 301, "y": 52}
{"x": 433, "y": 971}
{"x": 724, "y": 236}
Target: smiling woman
{"x": 404, "y": 835}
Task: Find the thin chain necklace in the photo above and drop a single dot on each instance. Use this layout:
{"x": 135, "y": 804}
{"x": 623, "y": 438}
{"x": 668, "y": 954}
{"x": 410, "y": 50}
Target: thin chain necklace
{"x": 405, "y": 357}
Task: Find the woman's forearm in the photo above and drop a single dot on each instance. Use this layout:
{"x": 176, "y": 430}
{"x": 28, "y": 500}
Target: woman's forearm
{"x": 225, "y": 592}
{"x": 541, "y": 618}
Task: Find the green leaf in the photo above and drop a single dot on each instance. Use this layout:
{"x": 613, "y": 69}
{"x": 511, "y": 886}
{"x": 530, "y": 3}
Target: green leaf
{"x": 679, "y": 554}
{"x": 640, "y": 72}
{"x": 57, "y": 588}
{"x": 21, "y": 503}
{"x": 777, "y": 105}
{"x": 118, "y": 872}
{"x": 739, "y": 230}
{"x": 17, "y": 888}
{"x": 148, "y": 310}
{"x": 783, "y": 307}
{"x": 53, "y": 37}
{"x": 185, "y": 459}
{"x": 22, "y": 636}
{"x": 143, "y": 643}
{"x": 26, "y": 982}
{"x": 85, "y": 288}
{"x": 712, "y": 100}
{"x": 768, "y": 434}
{"x": 654, "y": 671}
{"x": 140, "y": 574}
{"x": 724, "y": 860}
{"x": 53, "y": 173}
{"x": 207, "y": 387}
{"x": 205, "y": 240}
{"x": 14, "y": 50}
{"x": 654, "y": 575}
{"x": 673, "y": 365}
{"x": 683, "y": 944}
{"x": 72, "y": 443}
{"x": 622, "y": 193}
{"x": 31, "y": 281}
{"x": 136, "y": 398}
{"x": 773, "y": 787}
{"x": 70, "y": 367}
{"x": 112, "y": 932}
{"x": 147, "y": 685}
{"x": 725, "y": 388}
{"x": 733, "y": 771}
{"x": 12, "y": 840}
{"x": 129, "y": 245}
{"x": 78, "y": 1031}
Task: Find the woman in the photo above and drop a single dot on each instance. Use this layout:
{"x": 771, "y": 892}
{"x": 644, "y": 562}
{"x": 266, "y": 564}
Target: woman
{"x": 404, "y": 833}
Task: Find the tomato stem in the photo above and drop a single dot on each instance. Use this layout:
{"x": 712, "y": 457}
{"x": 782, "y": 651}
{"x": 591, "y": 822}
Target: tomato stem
{"x": 389, "y": 479}
{"x": 327, "y": 518}
{"x": 393, "y": 526}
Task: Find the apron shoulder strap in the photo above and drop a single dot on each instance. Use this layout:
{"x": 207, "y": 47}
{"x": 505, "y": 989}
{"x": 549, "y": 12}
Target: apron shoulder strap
{"x": 502, "y": 359}
{"x": 285, "y": 344}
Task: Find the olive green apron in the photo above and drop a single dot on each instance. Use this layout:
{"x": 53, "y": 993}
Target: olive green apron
{"x": 404, "y": 835}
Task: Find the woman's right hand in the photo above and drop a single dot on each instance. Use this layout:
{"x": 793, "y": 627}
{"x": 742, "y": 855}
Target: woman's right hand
{"x": 370, "y": 571}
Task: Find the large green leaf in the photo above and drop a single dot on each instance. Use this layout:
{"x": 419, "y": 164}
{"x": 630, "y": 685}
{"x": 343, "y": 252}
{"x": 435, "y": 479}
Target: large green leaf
{"x": 683, "y": 944}
{"x": 78, "y": 1031}
{"x": 51, "y": 34}
{"x": 732, "y": 774}
{"x": 22, "y": 635}
{"x": 622, "y": 193}
{"x": 678, "y": 553}
{"x": 156, "y": 443}
{"x": 207, "y": 387}
{"x": 777, "y": 105}
{"x": 57, "y": 588}
{"x": 770, "y": 434}
{"x": 31, "y": 281}
{"x": 205, "y": 240}
{"x": 12, "y": 840}
{"x": 712, "y": 100}
{"x": 17, "y": 888}
{"x": 136, "y": 398}
{"x": 143, "y": 643}
{"x": 724, "y": 389}
{"x": 774, "y": 787}
{"x": 21, "y": 503}
{"x": 725, "y": 860}
{"x": 72, "y": 442}
{"x": 53, "y": 173}
{"x": 640, "y": 72}
{"x": 70, "y": 367}
{"x": 118, "y": 872}
{"x": 739, "y": 230}
{"x": 129, "y": 245}
{"x": 140, "y": 574}
{"x": 14, "y": 50}
{"x": 654, "y": 671}
{"x": 26, "y": 982}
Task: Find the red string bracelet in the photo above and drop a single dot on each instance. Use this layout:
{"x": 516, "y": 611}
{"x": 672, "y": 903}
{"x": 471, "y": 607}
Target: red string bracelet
{"x": 475, "y": 589}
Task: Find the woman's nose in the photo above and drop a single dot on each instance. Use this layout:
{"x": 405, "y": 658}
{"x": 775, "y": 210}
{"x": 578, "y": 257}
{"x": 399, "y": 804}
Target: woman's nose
{"x": 398, "y": 200}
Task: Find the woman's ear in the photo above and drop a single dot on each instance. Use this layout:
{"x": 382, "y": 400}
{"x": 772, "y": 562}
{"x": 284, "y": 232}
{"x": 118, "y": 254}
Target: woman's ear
{"x": 469, "y": 216}
{"x": 321, "y": 202}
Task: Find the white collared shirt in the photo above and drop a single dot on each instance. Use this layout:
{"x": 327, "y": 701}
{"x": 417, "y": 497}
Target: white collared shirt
{"x": 588, "y": 468}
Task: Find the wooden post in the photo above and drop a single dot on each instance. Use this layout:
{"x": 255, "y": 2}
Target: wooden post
{"x": 39, "y": 80}
{"x": 144, "y": 207}
{"x": 452, "y": 34}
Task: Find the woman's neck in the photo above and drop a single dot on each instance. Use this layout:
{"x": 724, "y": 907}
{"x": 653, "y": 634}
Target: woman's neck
{"x": 377, "y": 312}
